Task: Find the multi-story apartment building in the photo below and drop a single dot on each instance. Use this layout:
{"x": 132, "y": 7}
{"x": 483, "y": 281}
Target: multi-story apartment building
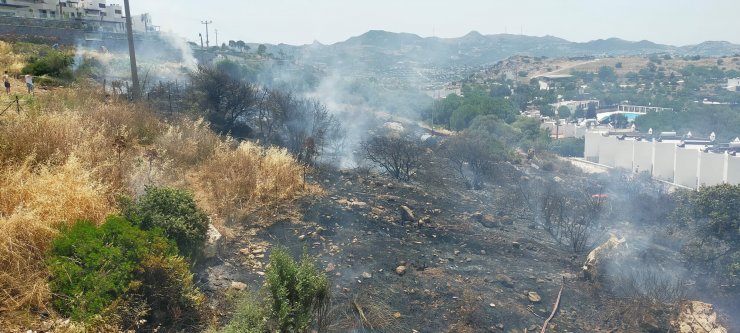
{"x": 94, "y": 13}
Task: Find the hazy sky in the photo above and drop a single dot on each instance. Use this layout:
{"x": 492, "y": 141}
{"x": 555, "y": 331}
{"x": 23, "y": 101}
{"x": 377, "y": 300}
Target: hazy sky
{"x": 676, "y": 22}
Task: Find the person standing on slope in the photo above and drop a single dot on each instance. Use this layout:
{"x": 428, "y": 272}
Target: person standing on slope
{"x": 29, "y": 83}
{"x": 6, "y": 82}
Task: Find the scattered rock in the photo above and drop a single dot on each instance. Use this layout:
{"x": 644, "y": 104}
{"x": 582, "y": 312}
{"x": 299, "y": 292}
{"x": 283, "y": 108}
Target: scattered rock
{"x": 401, "y": 270}
{"x": 516, "y": 245}
{"x": 505, "y": 280}
{"x": 397, "y": 315}
{"x": 407, "y": 214}
{"x": 492, "y": 305}
{"x": 366, "y": 275}
{"x": 698, "y": 317}
{"x": 214, "y": 242}
{"x": 330, "y": 267}
{"x": 534, "y": 297}
{"x": 302, "y": 237}
{"x": 238, "y": 285}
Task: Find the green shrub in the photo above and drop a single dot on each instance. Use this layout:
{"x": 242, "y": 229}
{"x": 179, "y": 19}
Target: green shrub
{"x": 569, "y": 147}
{"x": 299, "y": 293}
{"x": 250, "y": 316}
{"x": 90, "y": 267}
{"x": 55, "y": 63}
{"x": 165, "y": 285}
{"x": 175, "y": 213}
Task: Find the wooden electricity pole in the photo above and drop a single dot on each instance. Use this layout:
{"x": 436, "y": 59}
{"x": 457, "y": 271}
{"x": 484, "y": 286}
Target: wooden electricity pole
{"x": 132, "y": 53}
{"x": 206, "y": 22}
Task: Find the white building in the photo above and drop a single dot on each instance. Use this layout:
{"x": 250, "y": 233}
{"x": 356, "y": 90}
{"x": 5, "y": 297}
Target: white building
{"x": 94, "y": 13}
{"x": 733, "y": 84}
{"x": 684, "y": 161}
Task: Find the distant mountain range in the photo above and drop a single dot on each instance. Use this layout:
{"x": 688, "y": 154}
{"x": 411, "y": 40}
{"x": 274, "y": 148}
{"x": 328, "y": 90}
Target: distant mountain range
{"x": 386, "y": 49}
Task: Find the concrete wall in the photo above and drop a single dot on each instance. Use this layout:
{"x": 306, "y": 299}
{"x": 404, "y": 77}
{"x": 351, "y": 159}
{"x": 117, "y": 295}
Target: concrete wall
{"x": 712, "y": 169}
{"x": 733, "y": 170}
{"x": 591, "y": 151}
{"x": 607, "y": 150}
{"x": 664, "y": 161}
{"x": 687, "y": 167}
{"x": 643, "y": 160}
{"x": 623, "y": 154}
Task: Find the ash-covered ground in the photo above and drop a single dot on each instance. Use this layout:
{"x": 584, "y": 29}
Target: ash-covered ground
{"x": 478, "y": 261}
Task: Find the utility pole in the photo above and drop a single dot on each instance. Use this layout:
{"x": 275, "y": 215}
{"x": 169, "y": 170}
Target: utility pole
{"x": 206, "y": 23}
{"x": 216, "y": 37}
{"x": 201, "y": 40}
{"x": 132, "y": 53}
{"x": 61, "y": 13}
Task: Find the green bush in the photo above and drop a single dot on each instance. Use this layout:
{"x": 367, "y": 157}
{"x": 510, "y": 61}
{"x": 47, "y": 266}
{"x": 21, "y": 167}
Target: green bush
{"x": 129, "y": 277}
{"x": 175, "y": 213}
{"x": 55, "y": 63}
{"x": 299, "y": 293}
{"x": 165, "y": 285}
{"x": 91, "y": 267}
{"x": 569, "y": 147}
{"x": 250, "y": 316}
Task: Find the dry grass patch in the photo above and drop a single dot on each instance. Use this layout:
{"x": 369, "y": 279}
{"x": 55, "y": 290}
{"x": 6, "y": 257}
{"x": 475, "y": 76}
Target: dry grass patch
{"x": 240, "y": 177}
{"x": 34, "y": 203}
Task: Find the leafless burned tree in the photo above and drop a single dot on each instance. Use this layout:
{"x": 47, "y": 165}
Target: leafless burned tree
{"x": 397, "y": 155}
{"x": 571, "y": 217}
{"x": 473, "y": 155}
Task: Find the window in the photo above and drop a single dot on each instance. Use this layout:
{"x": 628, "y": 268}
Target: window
{"x": 101, "y": 5}
{"x": 118, "y": 11}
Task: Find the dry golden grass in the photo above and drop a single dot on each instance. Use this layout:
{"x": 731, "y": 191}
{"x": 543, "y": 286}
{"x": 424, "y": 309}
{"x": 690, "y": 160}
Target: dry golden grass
{"x": 9, "y": 61}
{"x": 188, "y": 142}
{"x": 237, "y": 178}
{"x": 34, "y": 202}
{"x": 70, "y": 153}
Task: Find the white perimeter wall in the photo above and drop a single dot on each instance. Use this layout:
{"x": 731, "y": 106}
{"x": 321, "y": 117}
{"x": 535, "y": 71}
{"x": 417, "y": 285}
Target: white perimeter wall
{"x": 643, "y": 156}
{"x": 712, "y": 169}
{"x": 687, "y": 163}
{"x": 591, "y": 150}
{"x": 733, "y": 170}
{"x": 665, "y": 156}
{"x": 607, "y": 150}
{"x": 623, "y": 154}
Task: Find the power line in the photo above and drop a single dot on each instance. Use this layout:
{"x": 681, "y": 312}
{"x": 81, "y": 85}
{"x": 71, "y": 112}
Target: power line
{"x": 206, "y": 23}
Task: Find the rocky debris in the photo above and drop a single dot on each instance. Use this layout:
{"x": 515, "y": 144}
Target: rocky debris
{"x": 401, "y": 270}
{"x": 351, "y": 203}
{"x": 516, "y": 245}
{"x": 214, "y": 242}
{"x": 591, "y": 266}
{"x": 698, "y": 317}
{"x": 407, "y": 214}
{"x": 366, "y": 275}
{"x": 534, "y": 297}
{"x": 397, "y": 315}
{"x": 487, "y": 220}
{"x": 505, "y": 280}
{"x": 236, "y": 285}
{"x": 330, "y": 268}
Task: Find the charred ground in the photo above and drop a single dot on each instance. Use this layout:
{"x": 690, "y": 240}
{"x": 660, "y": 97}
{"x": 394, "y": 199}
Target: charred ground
{"x": 471, "y": 264}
